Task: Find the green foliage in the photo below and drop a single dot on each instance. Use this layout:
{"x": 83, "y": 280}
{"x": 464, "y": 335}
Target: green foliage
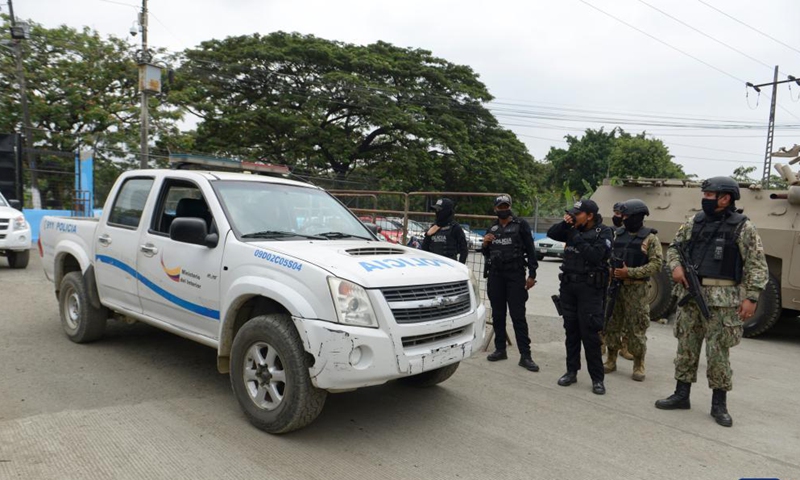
{"x": 381, "y": 116}
{"x": 615, "y": 154}
{"x": 82, "y": 93}
{"x": 742, "y": 175}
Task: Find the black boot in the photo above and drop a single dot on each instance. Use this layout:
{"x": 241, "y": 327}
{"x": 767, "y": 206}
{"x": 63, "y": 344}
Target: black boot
{"x": 527, "y": 362}
{"x": 678, "y": 400}
{"x": 719, "y": 408}
{"x": 497, "y": 355}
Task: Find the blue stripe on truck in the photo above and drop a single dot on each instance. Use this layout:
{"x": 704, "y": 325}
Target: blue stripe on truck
{"x": 192, "y": 307}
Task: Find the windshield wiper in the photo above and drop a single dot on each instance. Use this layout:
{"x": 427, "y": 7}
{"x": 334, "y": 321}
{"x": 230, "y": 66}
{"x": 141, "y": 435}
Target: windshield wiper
{"x": 332, "y": 235}
{"x": 279, "y": 233}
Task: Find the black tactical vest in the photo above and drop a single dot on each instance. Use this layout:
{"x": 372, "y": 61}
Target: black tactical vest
{"x": 505, "y": 251}
{"x": 628, "y": 248}
{"x": 713, "y": 248}
{"x": 574, "y": 261}
{"x": 443, "y": 242}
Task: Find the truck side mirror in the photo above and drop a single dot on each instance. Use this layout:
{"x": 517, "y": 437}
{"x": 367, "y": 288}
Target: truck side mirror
{"x": 15, "y": 204}
{"x": 192, "y": 230}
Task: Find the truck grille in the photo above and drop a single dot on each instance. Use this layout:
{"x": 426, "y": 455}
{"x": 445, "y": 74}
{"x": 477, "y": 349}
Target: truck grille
{"x": 3, "y": 227}
{"x": 416, "y": 340}
{"x": 425, "y": 303}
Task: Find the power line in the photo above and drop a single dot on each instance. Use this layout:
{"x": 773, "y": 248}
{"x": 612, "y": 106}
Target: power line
{"x": 663, "y": 42}
{"x": 704, "y": 34}
{"x": 748, "y": 26}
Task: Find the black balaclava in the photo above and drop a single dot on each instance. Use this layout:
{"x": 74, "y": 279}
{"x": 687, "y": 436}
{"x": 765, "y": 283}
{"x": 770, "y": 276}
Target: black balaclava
{"x": 503, "y": 214}
{"x": 634, "y": 222}
{"x": 445, "y": 213}
{"x": 617, "y": 220}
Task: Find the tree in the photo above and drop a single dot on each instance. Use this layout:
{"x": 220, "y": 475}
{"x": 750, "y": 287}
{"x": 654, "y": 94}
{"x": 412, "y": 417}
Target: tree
{"x": 599, "y": 154}
{"x": 82, "y": 92}
{"x": 742, "y": 175}
{"x": 393, "y": 118}
{"x": 638, "y": 156}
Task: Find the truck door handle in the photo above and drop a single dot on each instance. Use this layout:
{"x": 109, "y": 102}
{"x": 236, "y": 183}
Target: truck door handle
{"x": 104, "y": 240}
{"x": 148, "y": 249}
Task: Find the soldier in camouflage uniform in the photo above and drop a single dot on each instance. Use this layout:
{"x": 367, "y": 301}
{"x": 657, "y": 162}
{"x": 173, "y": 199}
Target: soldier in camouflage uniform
{"x": 623, "y": 352}
{"x": 726, "y": 249}
{"x": 639, "y": 250}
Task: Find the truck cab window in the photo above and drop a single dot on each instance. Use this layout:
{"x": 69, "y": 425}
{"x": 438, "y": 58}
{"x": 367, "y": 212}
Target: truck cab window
{"x": 130, "y": 201}
{"x": 179, "y": 199}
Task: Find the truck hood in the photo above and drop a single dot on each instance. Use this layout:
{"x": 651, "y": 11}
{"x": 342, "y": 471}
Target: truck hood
{"x": 8, "y": 212}
{"x": 372, "y": 264}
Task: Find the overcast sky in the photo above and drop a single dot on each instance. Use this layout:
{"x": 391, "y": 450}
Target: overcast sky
{"x": 550, "y": 64}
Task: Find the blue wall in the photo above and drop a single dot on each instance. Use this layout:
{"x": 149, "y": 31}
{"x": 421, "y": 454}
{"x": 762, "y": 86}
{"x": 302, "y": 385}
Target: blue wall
{"x": 34, "y": 218}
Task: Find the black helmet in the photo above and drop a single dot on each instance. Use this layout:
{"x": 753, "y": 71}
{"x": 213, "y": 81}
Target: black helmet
{"x": 633, "y": 206}
{"x": 721, "y": 185}
{"x": 616, "y": 207}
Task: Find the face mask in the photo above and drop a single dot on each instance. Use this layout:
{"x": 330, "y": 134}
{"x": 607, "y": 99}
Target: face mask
{"x": 710, "y": 206}
{"x": 617, "y": 220}
{"x": 442, "y": 217}
{"x": 633, "y": 224}
{"x": 503, "y": 214}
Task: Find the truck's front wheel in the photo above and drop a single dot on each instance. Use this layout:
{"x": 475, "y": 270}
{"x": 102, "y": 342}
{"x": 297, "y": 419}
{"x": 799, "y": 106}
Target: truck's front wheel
{"x": 19, "y": 259}
{"x": 82, "y": 322}
{"x": 269, "y": 375}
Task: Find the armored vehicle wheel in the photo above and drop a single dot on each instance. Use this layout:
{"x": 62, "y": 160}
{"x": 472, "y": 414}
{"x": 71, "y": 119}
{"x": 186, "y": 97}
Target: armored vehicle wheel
{"x": 19, "y": 259}
{"x": 269, "y": 375}
{"x": 431, "y": 377}
{"x": 659, "y": 294}
{"x": 82, "y": 322}
{"x": 768, "y": 310}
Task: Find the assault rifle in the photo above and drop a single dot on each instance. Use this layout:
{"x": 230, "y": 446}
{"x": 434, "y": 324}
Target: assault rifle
{"x": 695, "y": 290}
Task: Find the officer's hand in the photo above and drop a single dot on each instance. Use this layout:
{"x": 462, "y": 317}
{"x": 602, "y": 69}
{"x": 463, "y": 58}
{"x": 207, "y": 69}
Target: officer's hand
{"x": 621, "y": 273}
{"x": 746, "y": 309}
{"x": 488, "y": 238}
{"x": 679, "y": 276}
{"x": 529, "y": 283}
{"x": 569, "y": 219}
{"x": 433, "y": 230}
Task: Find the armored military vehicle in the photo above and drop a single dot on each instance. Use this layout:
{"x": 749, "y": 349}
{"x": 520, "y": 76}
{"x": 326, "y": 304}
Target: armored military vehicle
{"x": 776, "y": 214}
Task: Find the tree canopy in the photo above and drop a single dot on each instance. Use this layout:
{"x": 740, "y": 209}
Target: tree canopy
{"x": 400, "y": 118}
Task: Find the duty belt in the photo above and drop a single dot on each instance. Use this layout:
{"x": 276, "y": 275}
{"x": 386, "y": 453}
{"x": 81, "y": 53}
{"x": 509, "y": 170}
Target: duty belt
{"x": 717, "y": 282}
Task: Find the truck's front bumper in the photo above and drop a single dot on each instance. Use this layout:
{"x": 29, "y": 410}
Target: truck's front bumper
{"x": 347, "y": 357}
{"x": 16, "y": 240}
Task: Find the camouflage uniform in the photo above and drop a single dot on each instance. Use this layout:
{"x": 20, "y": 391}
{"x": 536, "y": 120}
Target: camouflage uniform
{"x": 724, "y": 329}
{"x": 631, "y": 315}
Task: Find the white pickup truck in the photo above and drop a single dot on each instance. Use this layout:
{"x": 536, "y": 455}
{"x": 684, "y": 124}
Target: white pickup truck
{"x": 297, "y": 296}
{"x": 15, "y": 234}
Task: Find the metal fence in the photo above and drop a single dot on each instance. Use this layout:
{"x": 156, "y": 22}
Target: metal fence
{"x": 52, "y": 180}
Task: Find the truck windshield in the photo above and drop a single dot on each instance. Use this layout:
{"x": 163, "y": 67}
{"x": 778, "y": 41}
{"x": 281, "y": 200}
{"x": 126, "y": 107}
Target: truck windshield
{"x": 259, "y": 210}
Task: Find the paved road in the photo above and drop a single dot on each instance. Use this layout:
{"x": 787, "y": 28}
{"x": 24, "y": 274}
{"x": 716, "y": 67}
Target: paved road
{"x": 146, "y": 404}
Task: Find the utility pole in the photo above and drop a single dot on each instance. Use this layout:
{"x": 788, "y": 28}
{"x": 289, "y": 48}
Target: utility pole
{"x": 19, "y": 32}
{"x": 771, "y": 126}
{"x": 144, "y": 60}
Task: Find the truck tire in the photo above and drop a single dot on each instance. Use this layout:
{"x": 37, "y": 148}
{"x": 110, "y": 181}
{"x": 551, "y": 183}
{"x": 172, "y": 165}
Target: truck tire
{"x": 81, "y": 321}
{"x": 19, "y": 259}
{"x": 269, "y": 375}
{"x": 659, "y": 294}
{"x": 768, "y": 310}
{"x": 431, "y": 377}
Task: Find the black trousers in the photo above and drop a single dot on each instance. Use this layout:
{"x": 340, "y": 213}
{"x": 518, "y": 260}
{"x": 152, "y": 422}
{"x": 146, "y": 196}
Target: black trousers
{"x": 507, "y": 287}
{"x": 582, "y": 306}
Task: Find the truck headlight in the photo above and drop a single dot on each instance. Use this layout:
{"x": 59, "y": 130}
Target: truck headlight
{"x": 20, "y": 223}
{"x": 476, "y": 287}
{"x": 352, "y": 303}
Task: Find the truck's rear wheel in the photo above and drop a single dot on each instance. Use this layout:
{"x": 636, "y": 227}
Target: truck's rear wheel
{"x": 659, "y": 294}
{"x": 269, "y": 375}
{"x": 19, "y": 259}
{"x": 82, "y": 322}
{"x": 768, "y": 310}
{"x": 431, "y": 377}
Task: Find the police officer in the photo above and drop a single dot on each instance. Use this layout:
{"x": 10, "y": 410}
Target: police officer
{"x": 446, "y": 237}
{"x": 508, "y": 249}
{"x": 638, "y": 251}
{"x": 726, "y": 249}
{"x": 584, "y": 277}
